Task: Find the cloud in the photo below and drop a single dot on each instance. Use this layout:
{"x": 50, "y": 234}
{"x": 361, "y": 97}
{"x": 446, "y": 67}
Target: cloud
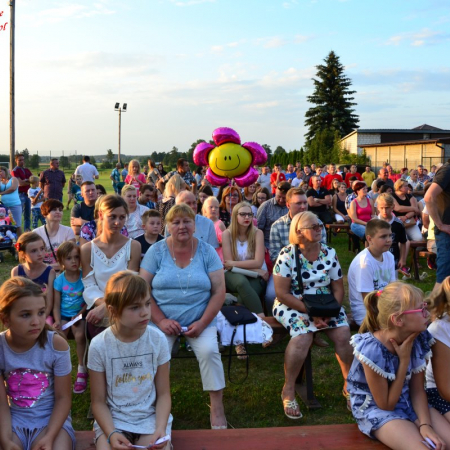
{"x": 221, "y": 48}
{"x": 419, "y": 38}
{"x": 190, "y": 2}
{"x": 68, "y": 11}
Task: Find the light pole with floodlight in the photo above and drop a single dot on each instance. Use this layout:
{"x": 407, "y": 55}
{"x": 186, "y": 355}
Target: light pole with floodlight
{"x": 120, "y": 109}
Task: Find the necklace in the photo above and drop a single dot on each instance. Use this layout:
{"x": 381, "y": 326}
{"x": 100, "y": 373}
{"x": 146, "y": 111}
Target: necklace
{"x": 184, "y": 291}
{"x": 136, "y": 352}
{"x": 241, "y": 243}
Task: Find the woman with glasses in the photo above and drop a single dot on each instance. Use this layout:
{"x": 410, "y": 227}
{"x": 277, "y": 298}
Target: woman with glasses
{"x": 259, "y": 197}
{"x": 243, "y": 248}
{"x": 231, "y": 196}
{"x": 361, "y": 209}
{"x": 386, "y": 381}
{"x": 320, "y": 273}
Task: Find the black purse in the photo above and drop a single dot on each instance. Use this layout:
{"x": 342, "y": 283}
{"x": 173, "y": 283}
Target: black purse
{"x": 317, "y": 305}
{"x": 237, "y": 315}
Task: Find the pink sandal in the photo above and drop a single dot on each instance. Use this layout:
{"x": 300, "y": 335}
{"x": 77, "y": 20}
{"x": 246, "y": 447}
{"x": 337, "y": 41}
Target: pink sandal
{"x": 80, "y": 386}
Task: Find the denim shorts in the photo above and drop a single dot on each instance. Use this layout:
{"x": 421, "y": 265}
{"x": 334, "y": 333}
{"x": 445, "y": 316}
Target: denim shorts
{"x": 443, "y": 255}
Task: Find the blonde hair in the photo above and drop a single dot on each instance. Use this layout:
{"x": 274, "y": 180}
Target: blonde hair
{"x": 174, "y": 186}
{"x": 122, "y": 290}
{"x": 207, "y": 201}
{"x": 399, "y": 183}
{"x": 234, "y": 231}
{"x": 128, "y": 187}
{"x": 439, "y": 300}
{"x": 26, "y": 238}
{"x": 381, "y": 305}
{"x": 299, "y": 219}
{"x": 180, "y": 210}
{"x": 132, "y": 163}
{"x": 15, "y": 289}
{"x": 388, "y": 199}
{"x": 33, "y": 179}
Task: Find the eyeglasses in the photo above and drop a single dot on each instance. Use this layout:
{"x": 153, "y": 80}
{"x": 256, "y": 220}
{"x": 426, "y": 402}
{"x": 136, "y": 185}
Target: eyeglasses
{"x": 423, "y": 310}
{"x": 242, "y": 214}
{"x": 315, "y": 227}
{"x": 261, "y": 197}
{"x": 232, "y": 196}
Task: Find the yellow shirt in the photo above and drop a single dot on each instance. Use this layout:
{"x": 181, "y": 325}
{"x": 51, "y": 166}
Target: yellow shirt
{"x": 368, "y": 177}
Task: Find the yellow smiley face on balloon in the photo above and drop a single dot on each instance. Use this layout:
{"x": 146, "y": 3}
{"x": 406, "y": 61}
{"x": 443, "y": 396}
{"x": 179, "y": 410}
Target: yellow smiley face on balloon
{"x": 229, "y": 160}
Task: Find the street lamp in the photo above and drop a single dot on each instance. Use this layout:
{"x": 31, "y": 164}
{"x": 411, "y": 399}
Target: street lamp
{"x": 124, "y": 109}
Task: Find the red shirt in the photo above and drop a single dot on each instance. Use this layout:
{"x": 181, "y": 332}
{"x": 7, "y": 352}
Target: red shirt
{"x": 349, "y": 175}
{"x": 273, "y": 179}
{"x": 23, "y": 174}
{"x": 329, "y": 179}
{"x": 394, "y": 177}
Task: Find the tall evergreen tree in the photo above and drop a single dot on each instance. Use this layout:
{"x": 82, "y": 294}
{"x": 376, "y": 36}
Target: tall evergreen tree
{"x": 332, "y": 99}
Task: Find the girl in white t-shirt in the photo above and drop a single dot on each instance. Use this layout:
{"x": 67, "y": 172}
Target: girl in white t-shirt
{"x": 438, "y": 384}
{"x": 129, "y": 366}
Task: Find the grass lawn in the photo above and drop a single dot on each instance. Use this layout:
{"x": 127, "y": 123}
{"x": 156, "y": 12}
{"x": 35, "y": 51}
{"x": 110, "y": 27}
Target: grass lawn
{"x": 256, "y": 402}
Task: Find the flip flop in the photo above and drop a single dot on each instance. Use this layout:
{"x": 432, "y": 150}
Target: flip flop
{"x": 292, "y": 404}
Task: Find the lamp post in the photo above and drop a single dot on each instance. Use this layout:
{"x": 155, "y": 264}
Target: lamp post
{"x": 117, "y": 107}
{"x": 12, "y": 128}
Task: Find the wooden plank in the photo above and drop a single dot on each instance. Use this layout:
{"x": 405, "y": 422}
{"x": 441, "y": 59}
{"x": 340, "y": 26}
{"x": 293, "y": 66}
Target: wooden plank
{"x": 335, "y": 437}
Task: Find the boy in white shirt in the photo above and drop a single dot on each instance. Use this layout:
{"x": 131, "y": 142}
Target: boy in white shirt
{"x": 36, "y": 195}
{"x": 372, "y": 269}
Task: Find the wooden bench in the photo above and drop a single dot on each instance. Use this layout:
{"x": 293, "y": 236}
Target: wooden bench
{"x": 332, "y": 227}
{"x": 354, "y": 242}
{"x": 333, "y": 437}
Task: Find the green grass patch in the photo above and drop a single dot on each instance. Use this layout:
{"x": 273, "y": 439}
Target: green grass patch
{"x": 255, "y": 403}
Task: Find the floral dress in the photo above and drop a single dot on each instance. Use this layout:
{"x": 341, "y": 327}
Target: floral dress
{"x": 370, "y": 351}
{"x": 316, "y": 276}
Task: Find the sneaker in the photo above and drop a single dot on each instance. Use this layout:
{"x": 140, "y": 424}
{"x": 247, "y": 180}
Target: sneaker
{"x": 80, "y": 383}
{"x": 405, "y": 271}
{"x": 431, "y": 263}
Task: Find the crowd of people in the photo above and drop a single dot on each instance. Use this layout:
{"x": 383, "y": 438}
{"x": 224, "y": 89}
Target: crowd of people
{"x": 137, "y": 269}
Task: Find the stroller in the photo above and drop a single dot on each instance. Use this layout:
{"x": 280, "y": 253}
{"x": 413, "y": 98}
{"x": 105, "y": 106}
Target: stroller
{"x": 7, "y": 233}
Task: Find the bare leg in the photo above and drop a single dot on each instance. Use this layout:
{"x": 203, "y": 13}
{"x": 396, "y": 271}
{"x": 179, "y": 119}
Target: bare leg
{"x": 294, "y": 357}
{"x": 400, "y": 435}
{"x": 61, "y": 442}
{"x": 78, "y": 331}
{"x": 440, "y": 425}
{"x": 16, "y": 441}
{"x": 344, "y": 351}
{"x": 217, "y": 411}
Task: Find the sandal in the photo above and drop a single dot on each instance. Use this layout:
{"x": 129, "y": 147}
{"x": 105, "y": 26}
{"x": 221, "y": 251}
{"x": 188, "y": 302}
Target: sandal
{"x": 80, "y": 386}
{"x": 291, "y": 404}
{"x": 241, "y": 352}
{"x": 347, "y": 397}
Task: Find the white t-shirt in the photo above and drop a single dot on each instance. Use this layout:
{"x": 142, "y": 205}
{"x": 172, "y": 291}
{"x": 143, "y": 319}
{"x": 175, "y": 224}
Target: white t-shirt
{"x": 87, "y": 171}
{"x": 264, "y": 181}
{"x": 130, "y": 369}
{"x": 64, "y": 234}
{"x": 32, "y": 192}
{"x": 440, "y": 330}
{"x": 296, "y": 182}
{"x": 366, "y": 274}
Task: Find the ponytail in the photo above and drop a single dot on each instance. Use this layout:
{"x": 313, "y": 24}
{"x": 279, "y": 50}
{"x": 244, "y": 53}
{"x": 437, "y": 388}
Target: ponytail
{"x": 370, "y": 322}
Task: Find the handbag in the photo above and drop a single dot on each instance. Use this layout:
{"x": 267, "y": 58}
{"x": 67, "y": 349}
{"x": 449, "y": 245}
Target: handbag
{"x": 237, "y": 315}
{"x": 317, "y": 305}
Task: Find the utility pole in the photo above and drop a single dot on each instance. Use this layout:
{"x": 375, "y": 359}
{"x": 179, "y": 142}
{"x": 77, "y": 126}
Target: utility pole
{"x": 117, "y": 107}
{"x": 12, "y": 126}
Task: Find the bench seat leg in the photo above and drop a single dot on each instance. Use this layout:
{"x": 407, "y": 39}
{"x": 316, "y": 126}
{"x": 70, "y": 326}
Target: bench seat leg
{"x": 304, "y": 385}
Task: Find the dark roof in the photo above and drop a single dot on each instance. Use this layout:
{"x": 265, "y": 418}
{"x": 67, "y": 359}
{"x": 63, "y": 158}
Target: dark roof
{"x": 427, "y": 127}
{"x": 444, "y": 140}
{"x": 401, "y": 130}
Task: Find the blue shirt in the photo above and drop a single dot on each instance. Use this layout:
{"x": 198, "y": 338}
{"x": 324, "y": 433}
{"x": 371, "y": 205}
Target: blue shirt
{"x": 71, "y": 295}
{"x": 182, "y": 294}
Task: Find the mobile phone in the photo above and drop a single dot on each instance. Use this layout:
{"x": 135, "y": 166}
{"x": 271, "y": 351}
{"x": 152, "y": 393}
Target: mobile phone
{"x": 159, "y": 441}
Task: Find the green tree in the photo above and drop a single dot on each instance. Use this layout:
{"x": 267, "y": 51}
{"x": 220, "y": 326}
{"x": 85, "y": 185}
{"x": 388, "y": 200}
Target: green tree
{"x": 279, "y": 151}
{"x": 268, "y": 150}
{"x": 332, "y": 99}
{"x": 34, "y": 161}
{"x": 110, "y": 156}
{"x": 190, "y": 152}
{"x": 64, "y": 161}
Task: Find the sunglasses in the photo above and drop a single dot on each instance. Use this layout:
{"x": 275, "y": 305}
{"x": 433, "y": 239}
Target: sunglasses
{"x": 423, "y": 310}
{"x": 315, "y": 227}
{"x": 242, "y": 214}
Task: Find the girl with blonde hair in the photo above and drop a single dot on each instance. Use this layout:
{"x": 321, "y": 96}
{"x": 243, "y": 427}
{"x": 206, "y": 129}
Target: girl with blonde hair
{"x": 135, "y": 177}
{"x": 387, "y": 377}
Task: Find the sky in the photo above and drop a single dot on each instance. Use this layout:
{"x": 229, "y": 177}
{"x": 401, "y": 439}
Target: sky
{"x": 186, "y": 67}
